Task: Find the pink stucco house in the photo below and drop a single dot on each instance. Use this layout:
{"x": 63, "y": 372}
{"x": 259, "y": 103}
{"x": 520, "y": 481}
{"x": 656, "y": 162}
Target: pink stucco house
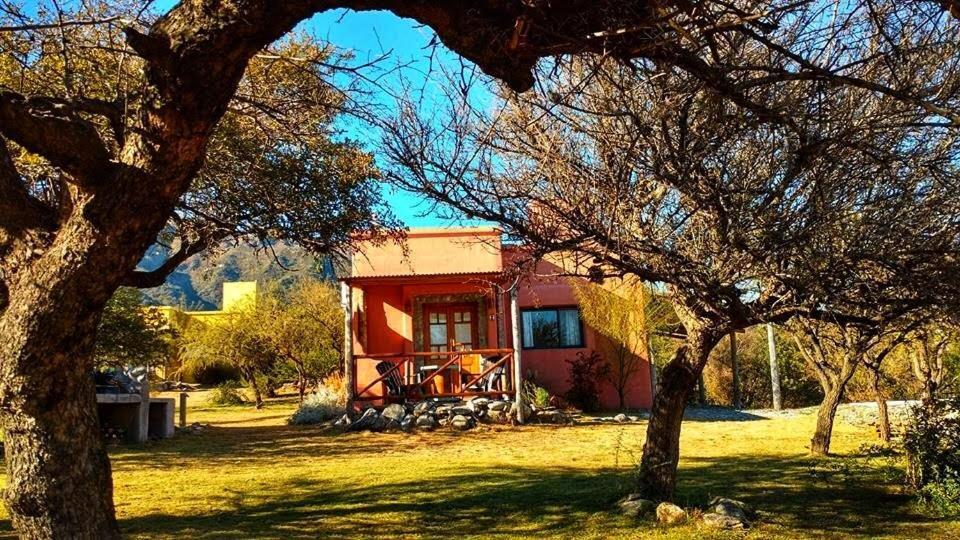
{"x": 435, "y": 318}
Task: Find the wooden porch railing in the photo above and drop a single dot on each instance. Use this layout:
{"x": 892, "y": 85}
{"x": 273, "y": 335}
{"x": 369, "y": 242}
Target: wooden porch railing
{"x": 415, "y": 383}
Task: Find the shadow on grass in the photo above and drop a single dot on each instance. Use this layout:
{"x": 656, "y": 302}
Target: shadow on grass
{"x": 229, "y": 443}
{"x": 800, "y": 497}
{"x": 514, "y": 501}
{"x": 819, "y": 496}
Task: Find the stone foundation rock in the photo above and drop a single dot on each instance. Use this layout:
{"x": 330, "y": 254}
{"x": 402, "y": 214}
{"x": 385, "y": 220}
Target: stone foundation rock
{"x": 426, "y": 422}
{"x": 720, "y": 521}
{"x": 367, "y": 420}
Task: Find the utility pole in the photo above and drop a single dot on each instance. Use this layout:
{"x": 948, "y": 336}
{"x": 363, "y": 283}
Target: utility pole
{"x": 774, "y": 369}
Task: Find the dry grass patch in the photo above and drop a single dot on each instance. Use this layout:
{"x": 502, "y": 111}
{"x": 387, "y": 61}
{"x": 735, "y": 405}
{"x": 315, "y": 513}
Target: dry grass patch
{"x": 250, "y": 475}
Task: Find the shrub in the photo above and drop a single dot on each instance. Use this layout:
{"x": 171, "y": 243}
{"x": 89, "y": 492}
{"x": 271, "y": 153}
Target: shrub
{"x": 932, "y": 445}
{"x": 941, "y": 499}
{"x": 327, "y": 403}
{"x": 537, "y": 395}
{"x": 586, "y": 373}
{"x": 208, "y": 373}
{"x": 337, "y": 383}
{"x": 227, "y": 393}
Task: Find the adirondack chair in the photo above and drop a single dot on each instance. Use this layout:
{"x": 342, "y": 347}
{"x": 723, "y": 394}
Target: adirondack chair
{"x": 491, "y": 381}
{"x": 396, "y": 388}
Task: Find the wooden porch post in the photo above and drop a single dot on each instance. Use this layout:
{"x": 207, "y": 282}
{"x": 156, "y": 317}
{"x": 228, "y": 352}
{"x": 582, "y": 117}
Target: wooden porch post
{"x": 501, "y": 319}
{"x": 517, "y": 346}
{"x": 346, "y": 299}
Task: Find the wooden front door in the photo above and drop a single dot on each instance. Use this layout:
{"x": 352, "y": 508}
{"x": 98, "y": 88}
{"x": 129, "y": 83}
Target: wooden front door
{"x": 450, "y": 327}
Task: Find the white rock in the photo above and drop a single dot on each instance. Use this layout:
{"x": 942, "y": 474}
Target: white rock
{"x": 670, "y": 514}
{"x": 634, "y": 505}
{"x": 720, "y": 521}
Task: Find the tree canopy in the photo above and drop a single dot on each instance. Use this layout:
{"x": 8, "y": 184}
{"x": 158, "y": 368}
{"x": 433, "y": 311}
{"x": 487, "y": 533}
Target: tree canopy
{"x": 107, "y": 172}
{"x": 131, "y": 334}
{"x": 845, "y": 213}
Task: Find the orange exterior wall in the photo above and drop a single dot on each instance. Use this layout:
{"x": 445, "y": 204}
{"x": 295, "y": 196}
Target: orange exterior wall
{"x": 548, "y": 367}
{"x": 428, "y": 252}
{"x": 384, "y": 308}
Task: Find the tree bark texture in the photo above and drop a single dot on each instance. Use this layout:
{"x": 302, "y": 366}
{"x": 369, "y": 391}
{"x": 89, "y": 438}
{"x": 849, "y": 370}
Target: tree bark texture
{"x": 657, "y": 476}
{"x": 59, "y": 482}
{"x": 883, "y": 413}
{"x": 822, "y": 434}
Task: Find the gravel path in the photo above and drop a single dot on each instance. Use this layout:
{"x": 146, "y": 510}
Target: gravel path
{"x": 864, "y": 413}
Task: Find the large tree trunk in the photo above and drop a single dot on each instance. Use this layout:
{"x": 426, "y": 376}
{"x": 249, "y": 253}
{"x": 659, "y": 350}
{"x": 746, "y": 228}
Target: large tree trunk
{"x": 58, "y": 473}
{"x": 834, "y": 387}
{"x": 59, "y": 483}
{"x": 657, "y": 477}
{"x": 822, "y": 434}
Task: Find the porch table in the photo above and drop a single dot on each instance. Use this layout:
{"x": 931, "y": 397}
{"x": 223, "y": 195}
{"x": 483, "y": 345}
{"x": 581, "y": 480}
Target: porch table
{"x": 442, "y": 383}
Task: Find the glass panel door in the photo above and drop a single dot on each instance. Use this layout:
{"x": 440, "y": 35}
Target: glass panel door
{"x": 450, "y": 327}
{"x": 463, "y": 329}
{"x": 447, "y": 327}
{"x": 437, "y": 336}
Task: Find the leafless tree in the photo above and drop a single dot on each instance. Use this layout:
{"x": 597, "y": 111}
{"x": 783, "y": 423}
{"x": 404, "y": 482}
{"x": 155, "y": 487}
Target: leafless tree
{"x": 648, "y": 171}
{"x": 125, "y": 166}
{"x": 927, "y": 352}
{"x": 834, "y": 352}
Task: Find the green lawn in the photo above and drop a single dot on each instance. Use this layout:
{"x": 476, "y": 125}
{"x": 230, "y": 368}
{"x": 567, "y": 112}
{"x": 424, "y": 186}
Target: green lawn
{"x": 250, "y": 475}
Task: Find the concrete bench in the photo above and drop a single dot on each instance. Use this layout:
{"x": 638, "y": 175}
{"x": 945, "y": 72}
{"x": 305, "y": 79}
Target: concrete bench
{"x": 139, "y": 419}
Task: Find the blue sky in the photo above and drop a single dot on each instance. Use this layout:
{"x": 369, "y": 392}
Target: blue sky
{"x": 369, "y": 35}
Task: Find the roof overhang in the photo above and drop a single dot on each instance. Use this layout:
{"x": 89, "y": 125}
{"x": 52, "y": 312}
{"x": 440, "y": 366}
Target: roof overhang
{"x": 419, "y": 279}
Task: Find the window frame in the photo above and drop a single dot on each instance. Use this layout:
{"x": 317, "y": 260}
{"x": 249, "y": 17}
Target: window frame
{"x": 557, "y": 309}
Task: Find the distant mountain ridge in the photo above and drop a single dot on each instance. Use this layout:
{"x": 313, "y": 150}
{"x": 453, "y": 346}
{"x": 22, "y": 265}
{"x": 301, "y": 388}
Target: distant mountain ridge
{"x": 197, "y": 283}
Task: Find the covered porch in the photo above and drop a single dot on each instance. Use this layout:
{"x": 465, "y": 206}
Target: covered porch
{"x": 433, "y": 322}
{"x": 418, "y": 376}
{"x": 445, "y": 339}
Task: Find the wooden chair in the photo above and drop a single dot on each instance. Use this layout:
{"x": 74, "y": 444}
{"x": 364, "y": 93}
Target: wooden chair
{"x": 491, "y": 381}
{"x": 396, "y": 388}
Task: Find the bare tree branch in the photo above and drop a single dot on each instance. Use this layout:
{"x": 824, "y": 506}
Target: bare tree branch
{"x": 156, "y": 277}
{"x": 43, "y": 127}
{"x": 58, "y": 24}
{"x": 18, "y": 209}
